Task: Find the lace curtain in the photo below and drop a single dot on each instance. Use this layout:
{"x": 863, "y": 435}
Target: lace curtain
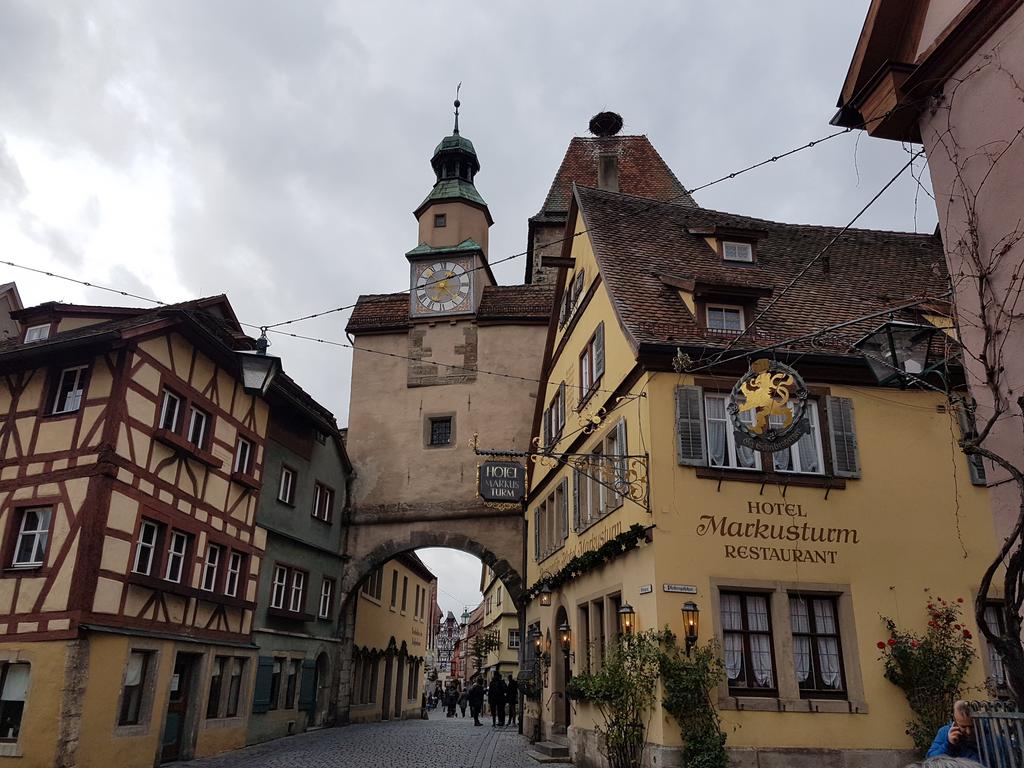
{"x": 760, "y": 645}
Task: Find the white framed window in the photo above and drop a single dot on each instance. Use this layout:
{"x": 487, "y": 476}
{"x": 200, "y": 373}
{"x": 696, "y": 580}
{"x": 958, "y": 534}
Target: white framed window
{"x": 33, "y": 534}
{"x": 176, "y": 556}
{"x": 37, "y": 333}
{"x": 145, "y": 548}
{"x": 286, "y": 488}
{"x": 513, "y": 638}
{"x": 323, "y": 498}
{"x": 732, "y": 251}
{"x": 298, "y": 585}
{"x": 243, "y": 456}
{"x": 14, "y": 684}
{"x": 725, "y": 318}
{"x": 326, "y": 593}
{"x": 169, "y": 411}
{"x": 210, "y": 567}
{"x": 723, "y": 451}
{"x": 234, "y": 571}
{"x": 805, "y": 456}
{"x": 70, "y": 388}
{"x": 197, "y": 424}
{"x": 279, "y": 587}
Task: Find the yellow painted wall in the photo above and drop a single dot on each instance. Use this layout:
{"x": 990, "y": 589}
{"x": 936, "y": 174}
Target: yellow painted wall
{"x": 377, "y": 623}
{"x": 37, "y": 743}
{"x": 500, "y": 619}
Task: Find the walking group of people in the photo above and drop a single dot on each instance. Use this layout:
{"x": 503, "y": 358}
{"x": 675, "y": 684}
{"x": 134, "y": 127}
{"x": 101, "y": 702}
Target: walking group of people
{"x": 502, "y": 697}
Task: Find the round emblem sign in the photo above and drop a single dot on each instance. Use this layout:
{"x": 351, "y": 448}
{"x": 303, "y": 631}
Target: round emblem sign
{"x": 768, "y": 405}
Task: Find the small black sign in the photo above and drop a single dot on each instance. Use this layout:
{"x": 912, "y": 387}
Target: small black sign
{"x": 502, "y": 481}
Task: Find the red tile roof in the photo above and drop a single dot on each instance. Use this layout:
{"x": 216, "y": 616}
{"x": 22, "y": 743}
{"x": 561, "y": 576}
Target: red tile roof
{"x": 645, "y": 251}
{"x": 378, "y": 313}
{"x": 642, "y": 171}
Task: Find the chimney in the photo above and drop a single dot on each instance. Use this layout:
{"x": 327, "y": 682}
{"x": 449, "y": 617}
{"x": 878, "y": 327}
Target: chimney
{"x": 608, "y": 171}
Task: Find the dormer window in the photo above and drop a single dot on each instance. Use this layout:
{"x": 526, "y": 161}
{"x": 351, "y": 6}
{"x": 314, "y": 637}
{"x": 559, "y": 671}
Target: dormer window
{"x": 725, "y": 318}
{"x": 440, "y": 220}
{"x": 735, "y": 251}
{"x": 37, "y": 333}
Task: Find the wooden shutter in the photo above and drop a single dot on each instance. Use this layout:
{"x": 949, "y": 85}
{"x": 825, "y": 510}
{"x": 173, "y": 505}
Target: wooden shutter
{"x": 564, "y": 511}
{"x": 599, "y": 351}
{"x": 261, "y": 690}
{"x": 576, "y": 479}
{"x": 969, "y": 430}
{"x": 690, "y": 447}
{"x": 546, "y": 426}
{"x": 561, "y": 408}
{"x": 621, "y": 464}
{"x": 307, "y": 686}
{"x": 577, "y": 287}
{"x": 536, "y": 534}
{"x": 842, "y": 437}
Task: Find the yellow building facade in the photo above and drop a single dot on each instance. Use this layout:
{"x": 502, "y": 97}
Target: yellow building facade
{"x": 501, "y": 621}
{"x": 790, "y": 557}
{"x": 392, "y": 624}
{"x": 131, "y": 459}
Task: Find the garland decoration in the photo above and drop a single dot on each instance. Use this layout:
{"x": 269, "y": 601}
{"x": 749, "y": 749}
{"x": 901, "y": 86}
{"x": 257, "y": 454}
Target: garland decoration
{"x": 635, "y": 536}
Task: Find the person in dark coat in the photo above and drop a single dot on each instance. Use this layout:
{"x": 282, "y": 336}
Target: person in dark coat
{"x": 451, "y": 699}
{"x": 512, "y": 698}
{"x": 496, "y": 700}
{"x": 476, "y": 700}
{"x": 464, "y": 700}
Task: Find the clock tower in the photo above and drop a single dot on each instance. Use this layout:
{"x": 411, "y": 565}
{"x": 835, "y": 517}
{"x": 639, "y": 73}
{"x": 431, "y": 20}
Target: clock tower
{"x": 448, "y": 269}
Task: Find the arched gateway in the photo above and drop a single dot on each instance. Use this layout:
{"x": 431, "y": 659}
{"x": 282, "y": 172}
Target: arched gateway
{"x": 450, "y": 363}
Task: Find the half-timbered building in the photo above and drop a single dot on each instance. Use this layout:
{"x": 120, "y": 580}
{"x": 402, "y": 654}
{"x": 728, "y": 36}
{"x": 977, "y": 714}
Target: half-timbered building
{"x": 131, "y": 464}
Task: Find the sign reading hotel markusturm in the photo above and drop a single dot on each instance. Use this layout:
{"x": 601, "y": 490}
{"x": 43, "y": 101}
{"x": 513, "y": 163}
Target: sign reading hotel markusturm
{"x": 502, "y": 481}
{"x": 768, "y": 407}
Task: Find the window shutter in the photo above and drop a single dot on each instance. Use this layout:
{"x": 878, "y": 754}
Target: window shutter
{"x": 536, "y": 534}
{"x": 690, "y": 447}
{"x": 842, "y": 437}
{"x": 261, "y": 690}
{"x": 577, "y": 287}
{"x": 561, "y": 408}
{"x": 307, "y": 686}
{"x": 599, "y": 351}
{"x": 565, "y": 508}
{"x": 576, "y": 475}
{"x": 969, "y": 430}
{"x": 546, "y": 426}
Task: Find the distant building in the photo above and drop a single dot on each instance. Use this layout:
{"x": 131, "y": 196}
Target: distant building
{"x": 391, "y": 631}
{"x": 447, "y": 632}
{"x": 303, "y": 511}
{"x": 501, "y": 622}
{"x": 10, "y": 301}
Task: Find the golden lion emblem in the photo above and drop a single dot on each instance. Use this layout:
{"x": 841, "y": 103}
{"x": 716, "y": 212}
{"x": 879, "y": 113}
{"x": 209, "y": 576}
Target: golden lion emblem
{"x": 767, "y": 395}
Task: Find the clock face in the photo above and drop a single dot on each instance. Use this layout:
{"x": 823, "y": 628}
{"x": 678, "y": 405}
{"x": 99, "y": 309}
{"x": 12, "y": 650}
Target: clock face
{"x": 444, "y": 286}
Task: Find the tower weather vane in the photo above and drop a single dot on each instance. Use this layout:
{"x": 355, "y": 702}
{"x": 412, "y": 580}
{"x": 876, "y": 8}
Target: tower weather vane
{"x": 457, "y": 105}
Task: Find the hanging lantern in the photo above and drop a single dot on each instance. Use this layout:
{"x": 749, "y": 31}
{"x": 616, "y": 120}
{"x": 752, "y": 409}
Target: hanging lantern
{"x": 627, "y": 619}
{"x": 691, "y": 624}
{"x": 898, "y": 352}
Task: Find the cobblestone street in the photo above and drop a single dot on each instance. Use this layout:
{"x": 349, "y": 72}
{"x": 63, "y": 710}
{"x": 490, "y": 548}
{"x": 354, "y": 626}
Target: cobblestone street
{"x": 435, "y": 743}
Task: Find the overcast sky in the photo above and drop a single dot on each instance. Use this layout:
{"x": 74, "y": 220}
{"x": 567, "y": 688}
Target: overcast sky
{"x": 274, "y": 151}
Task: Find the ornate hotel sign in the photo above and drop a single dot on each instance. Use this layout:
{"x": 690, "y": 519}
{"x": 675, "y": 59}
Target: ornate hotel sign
{"x": 502, "y": 482}
{"x": 768, "y": 405}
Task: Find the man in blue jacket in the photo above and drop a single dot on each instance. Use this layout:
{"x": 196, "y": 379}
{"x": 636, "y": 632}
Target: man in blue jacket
{"x": 958, "y": 738}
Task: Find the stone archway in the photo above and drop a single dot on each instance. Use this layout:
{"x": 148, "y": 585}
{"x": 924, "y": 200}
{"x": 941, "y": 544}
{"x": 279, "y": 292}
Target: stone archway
{"x": 494, "y": 537}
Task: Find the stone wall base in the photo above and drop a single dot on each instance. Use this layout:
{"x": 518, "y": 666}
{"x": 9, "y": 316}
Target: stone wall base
{"x": 584, "y": 748}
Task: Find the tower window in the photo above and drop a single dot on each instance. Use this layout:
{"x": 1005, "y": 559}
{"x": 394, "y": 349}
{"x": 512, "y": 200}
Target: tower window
{"x": 440, "y": 220}
{"x": 441, "y": 431}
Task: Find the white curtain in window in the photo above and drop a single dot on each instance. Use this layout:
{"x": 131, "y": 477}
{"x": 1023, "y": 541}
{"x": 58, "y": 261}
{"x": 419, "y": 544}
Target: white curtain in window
{"x": 824, "y": 617}
{"x": 828, "y": 657}
{"x": 798, "y": 618}
{"x": 802, "y": 658}
{"x": 717, "y": 431}
{"x": 761, "y": 659}
{"x": 733, "y": 656}
{"x": 757, "y": 613}
{"x": 746, "y": 457}
{"x": 994, "y": 659}
{"x": 732, "y": 615}
{"x": 15, "y": 683}
{"x": 807, "y": 448}
{"x": 783, "y": 460}
{"x": 133, "y": 672}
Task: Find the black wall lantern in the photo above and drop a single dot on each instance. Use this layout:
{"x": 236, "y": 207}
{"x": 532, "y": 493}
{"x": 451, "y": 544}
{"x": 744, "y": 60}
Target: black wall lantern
{"x": 898, "y": 352}
{"x": 565, "y": 638}
{"x": 627, "y": 619}
{"x": 259, "y": 368}
{"x": 691, "y": 624}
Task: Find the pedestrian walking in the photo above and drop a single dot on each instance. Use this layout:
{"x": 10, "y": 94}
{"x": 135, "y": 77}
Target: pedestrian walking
{"x": 512, "y": 697}
{"x": 476, "y": 700}
{"x": 451, "y": 700}
{"x": 496, "y": 700}
{"x": 463, "y": 701}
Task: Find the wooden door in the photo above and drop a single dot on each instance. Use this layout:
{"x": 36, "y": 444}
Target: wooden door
{"x": 178, "y": 709}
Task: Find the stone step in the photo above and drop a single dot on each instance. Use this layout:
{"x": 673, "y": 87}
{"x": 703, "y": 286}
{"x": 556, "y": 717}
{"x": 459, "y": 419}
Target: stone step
{"x": 552, "y": 749}
{"x": 559, "y": 738}
{"x": 542, "y": 758}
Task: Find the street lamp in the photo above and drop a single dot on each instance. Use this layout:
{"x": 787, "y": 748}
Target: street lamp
{"x": 258, "y": 368}
{"x": 898, "y": 352}
{"x": 691, "y": 624}
{"x": 627, "y": 619}
{"x": 545, "y": 595}
{"x": 565, "y": 638}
